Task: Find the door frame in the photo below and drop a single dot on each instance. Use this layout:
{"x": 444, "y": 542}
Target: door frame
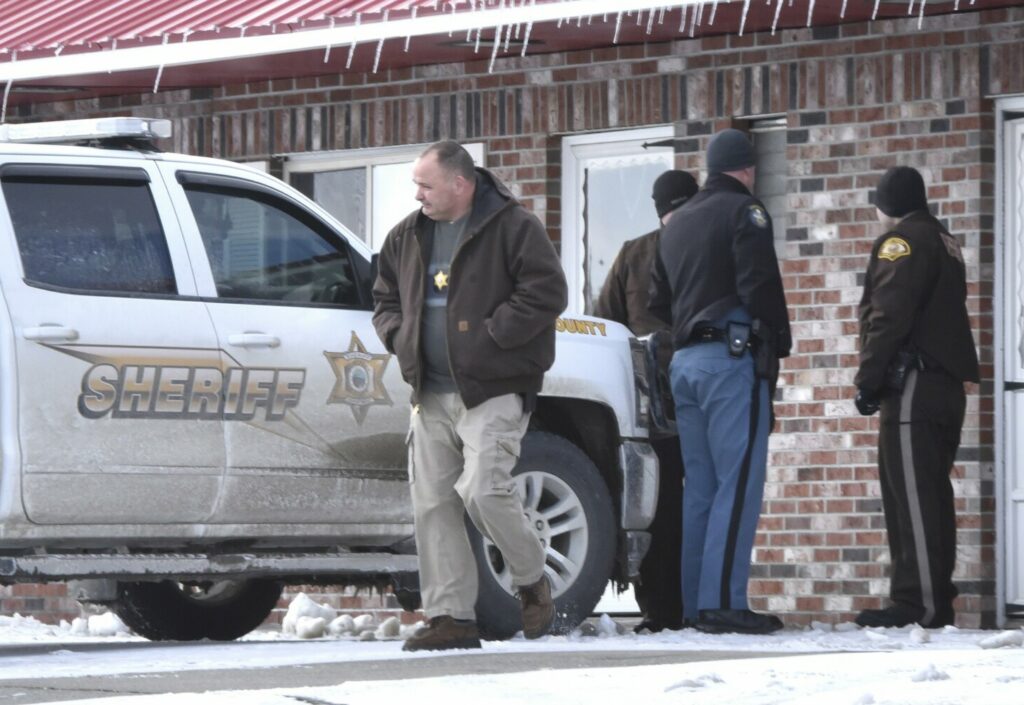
{"x": 593, "y": 144}
{"x": 1005, "y": 547}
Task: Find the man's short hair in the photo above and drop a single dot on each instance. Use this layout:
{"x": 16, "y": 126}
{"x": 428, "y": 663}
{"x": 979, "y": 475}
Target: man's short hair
{"x": 453, "y": 158}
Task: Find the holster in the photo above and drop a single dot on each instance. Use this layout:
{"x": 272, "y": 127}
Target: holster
{"x": 897, "y": 371}
{"x": 766, "y": 362}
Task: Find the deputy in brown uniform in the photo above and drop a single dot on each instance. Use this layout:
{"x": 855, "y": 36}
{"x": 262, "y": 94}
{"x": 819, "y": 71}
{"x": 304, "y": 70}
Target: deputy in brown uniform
{"x": 916, "y": 352}
{"x": 624, "y": 298}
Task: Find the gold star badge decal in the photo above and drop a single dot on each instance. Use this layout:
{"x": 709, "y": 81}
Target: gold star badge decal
{"x": 360, "y": 382}
{"x": 441, "y": 280}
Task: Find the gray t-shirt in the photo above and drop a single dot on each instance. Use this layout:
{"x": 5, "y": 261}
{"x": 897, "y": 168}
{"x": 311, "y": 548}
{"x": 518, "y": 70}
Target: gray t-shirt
{"x": 447, "y": 236}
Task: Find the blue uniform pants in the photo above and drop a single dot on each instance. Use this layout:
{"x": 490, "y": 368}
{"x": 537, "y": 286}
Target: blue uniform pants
{"x": 724, "y": 420}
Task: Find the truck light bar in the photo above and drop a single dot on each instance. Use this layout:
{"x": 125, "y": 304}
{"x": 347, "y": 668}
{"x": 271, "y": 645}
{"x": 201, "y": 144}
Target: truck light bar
{"x": 65, "y": 131}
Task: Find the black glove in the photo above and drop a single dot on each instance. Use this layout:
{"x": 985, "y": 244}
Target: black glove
{"x": 866, "y": 402}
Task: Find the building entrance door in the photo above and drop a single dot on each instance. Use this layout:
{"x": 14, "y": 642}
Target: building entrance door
{"x": 1010, "y": 364}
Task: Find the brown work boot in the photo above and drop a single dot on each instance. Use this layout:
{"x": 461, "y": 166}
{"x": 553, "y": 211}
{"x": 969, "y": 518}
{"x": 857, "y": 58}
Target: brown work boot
{"x": 538, "y": 608}
{"x": 442, "y": 633}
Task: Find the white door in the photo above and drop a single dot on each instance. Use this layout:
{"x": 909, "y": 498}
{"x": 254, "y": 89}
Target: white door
{"x": 316, "y": 432}
{"x": 109, "y": 339}
{"x": 1011, "y": 349}
{"x": 606, "y": 199}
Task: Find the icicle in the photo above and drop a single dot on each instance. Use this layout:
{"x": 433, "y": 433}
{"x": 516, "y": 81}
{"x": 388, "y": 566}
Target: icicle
{"x": 743, "y": 17}
{"x": 920, "y": 16}
{"x": 875, "y": 13}
{"x": 327, "y": 49}
{"x": 476, "y": 46}
{"x": 956, "y": 6}
{"x": 910, "y": 8}
{"x": 682, "y": 18}
{"x": 693, "y": 19}
{"x": 650, "y": 22}
{"x": 579, "y": 21}
{"x": 241, "y": 34}
{"x": 775, "y": 20}
{"x": 376, "y": 56}
{"x": 60, "y": 48}
{"x": 113, "y": 44}
{"x": 842, "y": 12}
{"x": 526, "y": 38}
{"x": 494, "y": 51}
{"x": 714, "y": 10}
{"x": 618, "y": 24}
{"x": 640, "y": 17}
{"x": 352, "y": 47}
{"x": 810, "y": 12}
{"x": 408, "y": 37}
{"x": 7, "y": 93}
{"x": 559, "y": 25}
{"x": 469, "y": 34}
{"x": 518, "y": 25}
{"x": 700, "y": 14}
{"x": 160, "y": 70}
{"x": 661, "y": 15}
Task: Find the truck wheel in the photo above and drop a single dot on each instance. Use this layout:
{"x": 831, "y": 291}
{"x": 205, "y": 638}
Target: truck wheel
{"x": 568, "y": 505}
{"x": 221, "y": 610}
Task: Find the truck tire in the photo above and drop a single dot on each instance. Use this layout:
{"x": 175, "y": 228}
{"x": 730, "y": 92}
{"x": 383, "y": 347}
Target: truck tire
{"x": 568, "y": 504}
{"x": 220, "y": 610}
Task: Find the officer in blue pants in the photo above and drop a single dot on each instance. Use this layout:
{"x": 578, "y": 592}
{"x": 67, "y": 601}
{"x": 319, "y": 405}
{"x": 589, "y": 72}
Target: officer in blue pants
{"x": 717, "y": 280}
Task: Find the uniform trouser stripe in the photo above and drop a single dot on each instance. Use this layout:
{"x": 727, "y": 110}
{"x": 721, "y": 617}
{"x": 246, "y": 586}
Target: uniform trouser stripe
{"x": 913, "y": 500}
{"x": 741, "y": 491}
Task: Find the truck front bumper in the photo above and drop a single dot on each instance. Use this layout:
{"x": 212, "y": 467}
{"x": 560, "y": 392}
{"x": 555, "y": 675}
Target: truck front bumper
{"x": 639, "y": 466}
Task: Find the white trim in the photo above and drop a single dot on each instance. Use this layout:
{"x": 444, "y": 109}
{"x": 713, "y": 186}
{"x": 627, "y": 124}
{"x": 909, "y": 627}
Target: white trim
{"x": 592, "y": 144}
{"x": 214, "y": 50}
{"x": 1003, "y": 323}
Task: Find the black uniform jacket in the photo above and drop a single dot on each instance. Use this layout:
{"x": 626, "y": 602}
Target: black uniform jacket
{"x": 626, "y": 291}
{"x": 717, "y": 253}
{"x": 506, "y": 288}
{"x": 914, "y": 299}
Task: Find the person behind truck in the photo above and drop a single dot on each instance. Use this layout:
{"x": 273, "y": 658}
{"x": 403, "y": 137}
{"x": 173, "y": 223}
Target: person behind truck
{"x": 467, "y": 294}
{"x": 624, "y": 298}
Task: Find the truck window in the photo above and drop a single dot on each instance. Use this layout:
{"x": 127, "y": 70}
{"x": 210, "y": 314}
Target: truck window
{"x": 262, "y": 249}
{"x": 89, "y": 235}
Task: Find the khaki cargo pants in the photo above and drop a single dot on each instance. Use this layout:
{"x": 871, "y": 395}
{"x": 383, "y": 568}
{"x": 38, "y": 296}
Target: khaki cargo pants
{"x": 461, "y": 460}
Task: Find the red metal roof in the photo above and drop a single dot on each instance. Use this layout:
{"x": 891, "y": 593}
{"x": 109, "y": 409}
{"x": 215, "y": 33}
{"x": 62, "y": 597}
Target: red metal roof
{"x": 27, "y": 25}
{"x": 41, "y": 29}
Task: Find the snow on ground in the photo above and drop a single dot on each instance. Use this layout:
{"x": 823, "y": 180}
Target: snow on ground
{"x": 839, "y": 666}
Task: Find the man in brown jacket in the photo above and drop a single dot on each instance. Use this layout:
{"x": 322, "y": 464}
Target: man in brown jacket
{"x": 916, "y": 352}
{"x": 624, "y": 298}
{"x": 468, "y": 291}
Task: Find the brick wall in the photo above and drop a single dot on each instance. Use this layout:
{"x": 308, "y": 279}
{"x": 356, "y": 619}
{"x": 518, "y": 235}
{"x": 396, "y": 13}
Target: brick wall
{"x": 857, "y": 100}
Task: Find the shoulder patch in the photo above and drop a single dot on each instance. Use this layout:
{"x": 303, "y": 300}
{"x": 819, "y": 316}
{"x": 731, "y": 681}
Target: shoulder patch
{"x": 757, "y": 216}
{"x": 894, "y": 248}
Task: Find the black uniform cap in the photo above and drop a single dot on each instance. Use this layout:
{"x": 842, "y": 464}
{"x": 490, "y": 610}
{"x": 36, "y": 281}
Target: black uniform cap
{"x": 901, "y": 191}
{"x": 671, "y": 190}
{"x": 730, "y": 150}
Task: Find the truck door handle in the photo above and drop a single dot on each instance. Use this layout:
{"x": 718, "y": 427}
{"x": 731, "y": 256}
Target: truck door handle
{"x": 49, "y": 333}
{"x": 253, "y": 340}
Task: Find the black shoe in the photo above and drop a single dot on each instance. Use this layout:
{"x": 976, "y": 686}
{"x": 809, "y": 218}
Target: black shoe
{"x": 739, "y": 621}
{"x": 655, "y": 625}
{"x": 900, "y": 615}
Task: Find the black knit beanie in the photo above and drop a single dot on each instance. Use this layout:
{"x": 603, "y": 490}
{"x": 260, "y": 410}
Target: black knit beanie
{"x": 901, "y": 191}
{"x": 730, "y": 150}
{"x": 671, "y": 190}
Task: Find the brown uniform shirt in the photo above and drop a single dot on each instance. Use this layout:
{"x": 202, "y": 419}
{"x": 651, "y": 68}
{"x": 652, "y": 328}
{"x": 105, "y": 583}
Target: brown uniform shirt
{"x": 915, "y": 294}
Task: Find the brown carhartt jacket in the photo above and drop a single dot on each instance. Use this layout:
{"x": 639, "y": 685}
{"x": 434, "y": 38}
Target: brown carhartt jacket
{"x": 506, "y": 288}
{"x": 626, "y": 291}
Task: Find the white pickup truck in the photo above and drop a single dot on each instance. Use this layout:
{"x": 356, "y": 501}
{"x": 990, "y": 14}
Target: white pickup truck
{"x": 195, "y": 409}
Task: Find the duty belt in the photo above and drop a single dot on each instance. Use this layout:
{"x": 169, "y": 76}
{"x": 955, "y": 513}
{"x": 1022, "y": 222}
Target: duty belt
{"x": 706, "y": 334}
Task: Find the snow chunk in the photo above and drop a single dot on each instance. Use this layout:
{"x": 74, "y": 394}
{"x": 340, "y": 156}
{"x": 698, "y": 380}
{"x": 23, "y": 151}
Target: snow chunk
{"x": 700, "y": 681}
{"x": 106, "y": 624}
{"x": 364, "y": 623}
{"x": 866, "y": 699}
{"x": 606, "y": 627}
{"x": 1013, "y": 637}
{"x": 920, "y": 636}
{"x": 390, "y": 628}
{"x": 930, "y": 674}
{"x": 303, "y": 606}
{"x": 341, "y": 625}
{"x": 310, "y": 627}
